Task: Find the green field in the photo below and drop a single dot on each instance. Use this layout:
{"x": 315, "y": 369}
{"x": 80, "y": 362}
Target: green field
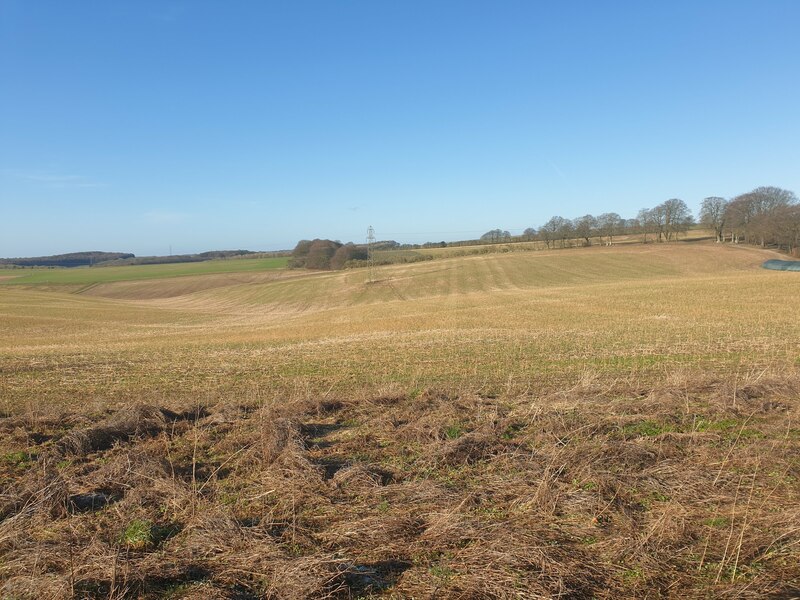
{"x": 93, "y": 275}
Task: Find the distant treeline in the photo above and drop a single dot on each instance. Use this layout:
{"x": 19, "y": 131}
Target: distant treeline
{"x": 74, "y": 259}
{"x": 114, "y": 259}
{"x": 767, "y": 216}
{"x": 181, "y": 258}
{"x": 661, "y": 223}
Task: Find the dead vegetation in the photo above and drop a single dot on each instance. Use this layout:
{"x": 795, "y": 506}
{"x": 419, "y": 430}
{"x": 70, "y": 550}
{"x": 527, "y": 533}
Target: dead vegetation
{"x": 683, "y": 489}
{"x": 435, "y": 435}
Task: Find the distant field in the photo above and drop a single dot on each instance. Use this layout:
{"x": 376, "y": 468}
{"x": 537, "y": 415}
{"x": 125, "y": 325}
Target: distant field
{"x": 498, "y": 322}
{"x": 92, "y": 275}
{"x": 604, "y": 422}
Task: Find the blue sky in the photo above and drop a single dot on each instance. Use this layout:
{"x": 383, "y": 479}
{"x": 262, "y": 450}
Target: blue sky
{"x": 136, "y": 126}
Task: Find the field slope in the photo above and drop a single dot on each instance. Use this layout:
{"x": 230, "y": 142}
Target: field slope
{"x": 600, "y": 422}
{"x": 495, "y": 322}
{"x": 86, "y": 276}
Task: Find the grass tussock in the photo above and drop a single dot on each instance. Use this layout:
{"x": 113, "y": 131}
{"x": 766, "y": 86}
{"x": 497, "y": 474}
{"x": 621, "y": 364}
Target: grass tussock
{"x": 687, "y": 487}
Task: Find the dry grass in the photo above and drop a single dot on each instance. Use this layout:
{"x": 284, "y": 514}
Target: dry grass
{"x": 494, "y": 324}
{"x": 609, "y": 422}
{"x": 600, "y": 491}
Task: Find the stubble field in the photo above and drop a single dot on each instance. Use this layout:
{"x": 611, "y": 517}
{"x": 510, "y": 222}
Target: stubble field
{"x": 600, "y": 422}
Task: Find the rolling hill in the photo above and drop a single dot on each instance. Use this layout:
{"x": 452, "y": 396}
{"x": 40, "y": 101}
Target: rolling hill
{"x": 599, "y": 422}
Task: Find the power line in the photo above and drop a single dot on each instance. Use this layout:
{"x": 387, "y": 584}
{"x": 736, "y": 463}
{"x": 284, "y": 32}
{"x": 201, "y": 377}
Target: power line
{"x": 370, "y": 253}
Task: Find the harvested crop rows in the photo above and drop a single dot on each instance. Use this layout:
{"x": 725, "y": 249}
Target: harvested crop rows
{"x": 607, "y": 422}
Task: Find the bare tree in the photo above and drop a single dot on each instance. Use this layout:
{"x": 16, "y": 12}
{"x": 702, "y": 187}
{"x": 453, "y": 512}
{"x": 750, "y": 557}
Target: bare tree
{"x": 787, "y": 228}
{"x": 565, "y": 231}
{"x": 767, "y": 206}
{"x": 738, "y": 217}
{"x": 712, "y": 215}
{"x": 658, "y": 218}
{"x": 609, "y": 225}
{"x": 676, "y": 217}
{"x": 550, "y": 230}
{"x": 651, "y": 220}
{"x": 584, "y": 228}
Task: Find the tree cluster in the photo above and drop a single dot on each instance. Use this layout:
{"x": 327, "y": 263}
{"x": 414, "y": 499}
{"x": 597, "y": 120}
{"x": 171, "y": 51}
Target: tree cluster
{"x": 767, "y": 216}
{"x": 496, "y": 235}
{"x": 666, "y": 220}
{"x": 583, "y": 229}
{"x": 325, "y": 255}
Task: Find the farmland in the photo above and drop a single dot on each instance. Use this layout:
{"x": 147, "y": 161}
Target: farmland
{"x": 497, "y": 322}
{"x": 605, "y": 421}
{"x": 94, "y": 275}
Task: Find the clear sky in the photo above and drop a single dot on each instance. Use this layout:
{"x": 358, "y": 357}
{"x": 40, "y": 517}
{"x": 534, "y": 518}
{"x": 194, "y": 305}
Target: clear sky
{"x": 133, "y": 125}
